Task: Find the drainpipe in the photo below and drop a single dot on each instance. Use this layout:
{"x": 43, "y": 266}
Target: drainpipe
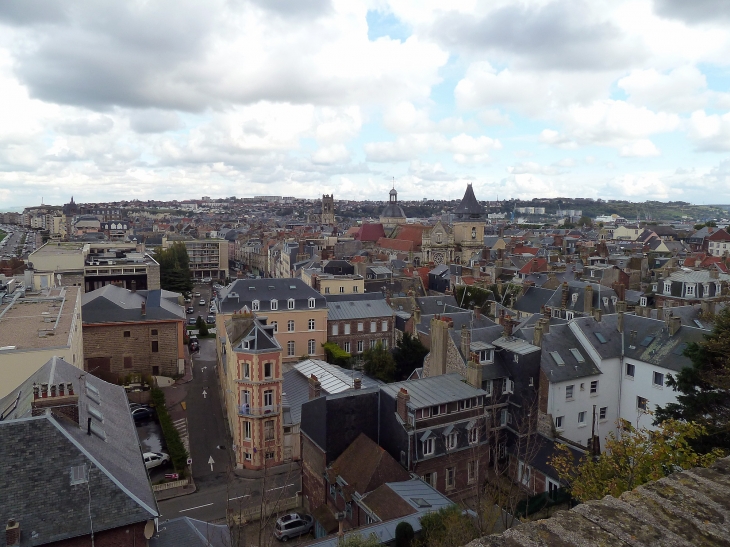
{"x": 621, "y": 377}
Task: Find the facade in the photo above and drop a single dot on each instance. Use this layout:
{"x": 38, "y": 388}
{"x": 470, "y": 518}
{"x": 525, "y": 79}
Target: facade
{"x": 689, "y": 286}
{"x": 718, "y": 243}
{"x": 129, "y": 332}
{"x": 297, "y": 312}
{"x": 358, "y": 325}
{"x": 328, "y": 209}
{"x": 36, "y": 327}
{"x": 326, "y": 283}
{"x": 250, "y": 368}
{"x": 208, "y": 257}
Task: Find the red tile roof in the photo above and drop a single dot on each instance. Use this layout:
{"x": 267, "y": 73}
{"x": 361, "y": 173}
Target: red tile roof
{"x": 395, "y": 244}
{"x": 370, "y": 232}
{"x": 535, "y": 265}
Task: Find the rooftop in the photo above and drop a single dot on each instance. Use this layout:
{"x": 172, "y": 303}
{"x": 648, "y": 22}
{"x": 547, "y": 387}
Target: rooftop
{"x": 38, "y": 321}
{"x": 434, "y": 390}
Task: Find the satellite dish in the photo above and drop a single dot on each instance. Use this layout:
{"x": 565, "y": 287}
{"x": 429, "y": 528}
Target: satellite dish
{"x": 149, "y": 529}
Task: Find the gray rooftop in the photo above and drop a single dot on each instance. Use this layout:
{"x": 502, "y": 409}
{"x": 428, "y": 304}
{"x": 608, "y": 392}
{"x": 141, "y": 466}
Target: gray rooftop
{"x": 243, "y": 292}
{"x": 367, "y": 309}
{"x": 187, "y": 532}
{"x": 434, "y": 390}
{"x": 561, "y": 345}
{"x": 111, "y": 304}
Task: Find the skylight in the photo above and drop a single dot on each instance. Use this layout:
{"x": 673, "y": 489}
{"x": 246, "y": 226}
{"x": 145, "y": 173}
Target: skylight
{"x": 578, "y": 356}
{"x": 648, "y": 340}
{"x": 600, "y": 337}
{"x": 679, "y": 350}
{"x": 558, "y": 359}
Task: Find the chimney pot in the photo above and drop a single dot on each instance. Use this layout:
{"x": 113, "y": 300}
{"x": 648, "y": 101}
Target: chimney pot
{"x": 675, "y": 322}
{"x": 61, "y": 389}
{"x": 315, "y": 387}
{"x": 402, "y": 400}
{"x": 44, "y": 390}
{"x": 144, "y": 307}
{"x": 70, "y": 387}
{"x": 12, "y": 533}
{"x": 357, "y": 383}
{"x": 36, "y": 391}
{"x": 53, "y": 390}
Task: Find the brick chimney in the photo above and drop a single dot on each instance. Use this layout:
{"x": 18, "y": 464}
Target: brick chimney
{"x": 53, "y": 390}
{"x": 564, "y": 299}
{"x": 402, "y": 400}
{"x": 621, "y": 306}
{"x": 60, "y": 405}
{"x": 315, "y": 388}
{"x": 357, "y": 383}
{"x": 588, "y": 299}
{"x": 36, "y": 392}
{"x": 477, "y": 312}
{"x": 597, "y": 314}
{"x": 12, "y": 533}
{"x": 44, "y": 390}
{"x": 545, "y": 325}
{"x": 508, "y": 326}
{"x": 465, "y": 342}
{"x": 674, "y": 323}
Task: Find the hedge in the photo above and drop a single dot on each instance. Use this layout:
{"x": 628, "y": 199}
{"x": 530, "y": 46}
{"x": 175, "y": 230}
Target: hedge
{"x": 175, "y": 447}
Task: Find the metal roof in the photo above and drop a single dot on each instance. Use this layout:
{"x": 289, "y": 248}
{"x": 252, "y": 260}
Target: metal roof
{"x": 333, "y": 379}
{"x": 378, "y": 270}
{"x": 516, "y": 345}
{"x": 354, "y": 309}
{"x": 434, "y": 390}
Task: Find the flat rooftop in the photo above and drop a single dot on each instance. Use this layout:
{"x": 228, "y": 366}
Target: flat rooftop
{"x": 40, "y": 320}
{"x": 60, "y": 248}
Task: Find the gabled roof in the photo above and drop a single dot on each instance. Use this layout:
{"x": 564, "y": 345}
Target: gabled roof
{"x": 112, "y": 304}
{"x": 370, "y": 232}
{"x": 188, "y": 532}
{"x": 362, "y": 309}
{"x": 434, "y": 390}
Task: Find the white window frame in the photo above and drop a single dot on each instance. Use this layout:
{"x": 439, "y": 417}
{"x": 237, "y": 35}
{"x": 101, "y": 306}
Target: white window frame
{"x": 360, "y": 327}
{"x": 342, "y": 290}
{"x": 559, "y": 422}
{"x": 354, "y": 288}
{"x": 246, "y": 370}
{"x": 451, "y": 440}
{"x": 384, "y": 327}
{"x": 450, "y": 478}
{"x": 569, "y": 392}
{"x": 312, "y": 303}
{"x": 594, "y": 387}
{"x": 582, "y": 418}
{"x": 360, "y": 346}
{"x": 428, "y": 446}
{"x": 603, "y": 413}
{"x": 311, "y": 347}
{"x": 667, "y": 287}
{"x": 269, "y": 398}
{"x": 290, "y": 348}
{"x": 276, "y": 326}
{"x": 335, "y": 329}
{"x": 689, "y": 289}
{"x": 255, "y": 305}
{"x": 632, "y": 369}
{"x": 247, "y": 430}
{"x": 639, "y": 400}
{"x": 290, "y": 325}
{"x": 290, "y": 304}
{"x": 474, "y": 435}
{"x": 347, "y": 347}
{"x": 373, "y": 326}
{"x": 311, "y": 324}
{"x": 274, "y": 305}
{"x": 346, "y": 329}
{"x": 661, "y": 376}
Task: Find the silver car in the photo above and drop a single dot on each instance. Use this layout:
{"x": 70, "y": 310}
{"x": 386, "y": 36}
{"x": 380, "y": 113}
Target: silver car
{"x": 293, "y": 525}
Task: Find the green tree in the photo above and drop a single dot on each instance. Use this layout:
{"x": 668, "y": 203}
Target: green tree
{"x": 202, "y": 327}
{"x": 379, "y": 363}
{"x": 585, "y": 221}
{"x": 408, "y": 354}
{"x": 336, "y": 355}
{"x": 175, "y": 268}
{"x": 404, "y": 534}
{"x": 704, "y": 388}
{"x": 355, "y": 539}
{"x": 638, "y": 456}
{"x": 447, "y": 527}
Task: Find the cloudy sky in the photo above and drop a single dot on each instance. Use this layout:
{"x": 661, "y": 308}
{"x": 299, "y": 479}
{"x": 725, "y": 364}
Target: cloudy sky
{"x": 173, "y": 99}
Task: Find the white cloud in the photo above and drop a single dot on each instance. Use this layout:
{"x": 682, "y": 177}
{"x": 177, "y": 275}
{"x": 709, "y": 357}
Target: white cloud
{"x": 642, "y": 148}
{"x": 710, "y": 132}
{"x": 680, "y": 90}
{"x": 465, "y": 148}
{"x": 336, "y": 153}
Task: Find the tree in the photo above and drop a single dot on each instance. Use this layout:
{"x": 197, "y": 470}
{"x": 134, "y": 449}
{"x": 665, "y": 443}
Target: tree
{"x": 704, "y": 388}
{"x": 585, "y": 221}
{"x": 637, "y": 456}
{"x": 336, "y": 355}
{"x": 409, "y": 353}
{"x": 174, "y": 268}
{"x": 379, "y": 363}
{"x": 355, "y": 539}
{"x": 448, "y": 527}
{"x": 404, "y": 534}
{"x": 202, "y": 327}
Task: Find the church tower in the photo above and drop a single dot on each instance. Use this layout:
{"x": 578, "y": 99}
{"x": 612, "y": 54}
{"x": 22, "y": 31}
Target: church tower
{"x": 468, "y": 227}
{"x": 328, "y": 209}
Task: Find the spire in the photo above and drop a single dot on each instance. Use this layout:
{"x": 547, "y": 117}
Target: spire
{"x": 469, "y": 208}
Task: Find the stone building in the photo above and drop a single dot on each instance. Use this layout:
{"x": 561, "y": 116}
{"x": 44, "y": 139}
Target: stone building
{"x": 393, "y": 214}
{"x": 250, "y": 368}
{"x": 133, "y": 332}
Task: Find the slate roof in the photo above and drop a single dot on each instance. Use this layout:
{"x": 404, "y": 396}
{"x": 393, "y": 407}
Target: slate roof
{"x": 434, "y": 390}
{"x": 255, "y": 338}
{"x": 187, "y": 532}
{"x": 44, "y": 446}
{"x": 112, "y": 304}
{"x": 367, "y": 309}
{"x": 562, "y": 341}
{"x": 533, "y": 300}
{"x": 651, "y": 342}
{"x": 685, "y": 508}
{"x": 469, "y": 207}
{"x": 430, "y": 305}
{"x": 243, "y": 292}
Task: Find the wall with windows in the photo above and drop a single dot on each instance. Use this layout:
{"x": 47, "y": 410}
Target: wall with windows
{"x": 644, "y": 391}
{"x": 358, "y": 335}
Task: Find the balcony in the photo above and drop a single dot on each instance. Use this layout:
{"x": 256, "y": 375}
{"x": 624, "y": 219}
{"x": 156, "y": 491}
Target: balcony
{"x": 255, "y": 412}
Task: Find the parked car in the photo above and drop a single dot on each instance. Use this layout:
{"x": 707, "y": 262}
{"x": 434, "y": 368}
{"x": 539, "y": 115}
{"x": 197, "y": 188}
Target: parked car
{"x": 210, "y": 320}
{"x": 153, "y": 459}
{"x": 142, "y": 413}
{"x": 192, "y": 320}
{"x": 292, "y": 525}
{"x": 193, "y": 344}
{"x": 202, "y": 302}
{"x": 190, "y": 309}
{"x": 197, "y": 294}
{"x": 132, "y": 406}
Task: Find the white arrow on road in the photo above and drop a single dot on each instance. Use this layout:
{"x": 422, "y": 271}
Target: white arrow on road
{"x": 202, "y": 369}
{"x": 204, "y": 394}
{"x": 211, "y": 462}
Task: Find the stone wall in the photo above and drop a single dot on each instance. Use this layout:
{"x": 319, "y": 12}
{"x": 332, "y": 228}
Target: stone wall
{"x": 313, "y": 466}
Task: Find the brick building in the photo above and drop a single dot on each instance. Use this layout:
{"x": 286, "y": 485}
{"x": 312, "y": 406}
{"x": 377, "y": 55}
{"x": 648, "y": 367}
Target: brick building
{"x": 251, "y": 375}
{"x": 358, "y": 325}
{"x": 138, "y": 332}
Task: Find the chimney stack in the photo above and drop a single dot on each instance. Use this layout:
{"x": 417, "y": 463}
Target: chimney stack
{"x": 508, "y": 326}
{"x": 12, "y": 533}
{"x": 61, "y": 389}
{"x": 53, "y": 390}
{"x": 545, "y": 325}
{"x": 597, "y": 313}
{"x": 477, "y": 312}
{"x": 44, "y": 390}
{"x": 133, "y": 284}
{"x": 564, "y": 299}
{"x": 315, "y": 388}
{"x": 465, "y": 342}
{"x": 675, "y": 322}
{"x": 474, "y": 372}
{"x": 620, "y": 321}
{"x": 36, "y": 392}
{"x": 357, "y": 383}
{"x": 621, "y": 306}
{"x": 537, "y": 336}
{"x": 70, "y": 387}
{"x": 402, "y": 400}
{"x": 588, "y": 299}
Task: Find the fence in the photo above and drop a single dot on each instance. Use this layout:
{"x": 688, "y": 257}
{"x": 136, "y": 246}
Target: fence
{"x": 249, "y": 514}
{"x": 168, "y": 485}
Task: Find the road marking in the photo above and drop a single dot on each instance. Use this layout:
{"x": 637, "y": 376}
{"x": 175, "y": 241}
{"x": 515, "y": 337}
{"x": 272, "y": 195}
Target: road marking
{"x": 238, "y": 497}
{"x": 280, "y": 487}
{"x": 211, "y": 462}
{"x": 198, "y": 507}
{"x": 204, "y": 394}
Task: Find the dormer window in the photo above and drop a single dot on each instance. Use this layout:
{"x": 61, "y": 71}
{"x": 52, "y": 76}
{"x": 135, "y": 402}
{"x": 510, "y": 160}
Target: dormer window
{"x": 312, "y": 302}
{"x": 274, "y": 305}
{"x": 255, "y": 305}
{"x": 290, "y": 304}
{"x": 486, "y": 355}
{"x": 667, "y": 287}
{"x": 642, "y": 301}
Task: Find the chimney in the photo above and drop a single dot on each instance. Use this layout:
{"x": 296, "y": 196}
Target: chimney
{"x": 465, "y": 342}
{"x": 12, "y": 533}
{"x": 61, "y": 389}
{"x": 564, "y": 299}
{"x": 714, "y": 274}
{"x": 36, "y": 392}
{"x": 674, "y": 323}
{"x": 315, "y": 388}
{"x": 402, "y": 400}
{"x": 620, "y": 321}
{"x": 357, "y": 383}
{"x": 144, "y": 308}
{"x": 44, "y": 390}
{"x": 474, "y": 372}
{"x": 477, "y": 312}
{"x": 416, "y": 316}
{"x": 546, "y": 312}
{"x": 537, "y": 336}
{"x": 545, "y": 325}
{"x": 621, "y": 306}
{"x": 133, "y": 285}
{"x": 597, "y": 313}
{"x": 588, "y": 299}
{"x": 70, "y": 387}
{"x": 508, "y": 326}
{"x": 53, "y": 390}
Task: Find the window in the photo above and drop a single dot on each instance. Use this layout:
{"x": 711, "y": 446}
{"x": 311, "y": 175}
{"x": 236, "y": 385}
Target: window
{"x": 276, "y": 326}
{"x": 246, "y": 370}
{"x": 464, "y": 404}
{"x": 255, "y": 305}
{"x": 602, "y": 413}
{"x": 424, "y": 413}
{"x": 127, "y": 361}
{"x": 373, "y": 326}
{"x": 488, "y": 387}
{"x": 267, "y": 370}
{"x": 312, "y": 302}
{"x": 269, "y": 455}
{"x": 290, "y": 348}
{"x": 333, "y": 491}
{"x": 274, "y": 305}
{"x": 247, "y": 430}
{"x": 342, "y": 290}
{"x": 630, "y": 370}
{"x": 450, "y": 441}
{"x": 269, "y": 430}
{"x": 290, "y": 304}
{"x": 428, "y": 447}
{"x": 360, "y": 345}
{"x": 310, "y": 324}
{"x": 559, "y": 422}
{"x": 689, "y": 290}
{"x": 667, "y": 287}
{"x": 582, "y": 418}
{"x": 373, "y": 343}
{"x": 311, "y": 347}
{"x": 326, "y": 290}
{"x": 247, "y": 456}
{"x": 552, "y": 489}
{"x": 127, "y": 334}
{"x": 471, "y": 471}
{"x": 360, "y": 327}
{"x": 524, "y": 472}
{"x": 658, "y": 379}
{"x": 385, "y": 343}
{"x": 154, "y": 332}
{"x": 78, "y": 474}
{"x": 384, "y": 326}
{"x": 508, "y": 386}
{"x": 594, "y": 387}
{"x": 430, "y": 478}
{"x": 504, "y": 417}
{"x": 155, "y": 346}
{"x": 347, "y": 347}
{"x": 346, "y": 328}
{"x": 569, "y": 392}
{"x": 269, "y": 397}
{"x": 450, "y": 477}
{"x": 642, "y": 301}
{"x": 473, "y": 435}
{"x": 290, "y": 325}
{"x": 335, "y": 330}
{"x": 354, "y": 288}
{"x": 642, "y": 403}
